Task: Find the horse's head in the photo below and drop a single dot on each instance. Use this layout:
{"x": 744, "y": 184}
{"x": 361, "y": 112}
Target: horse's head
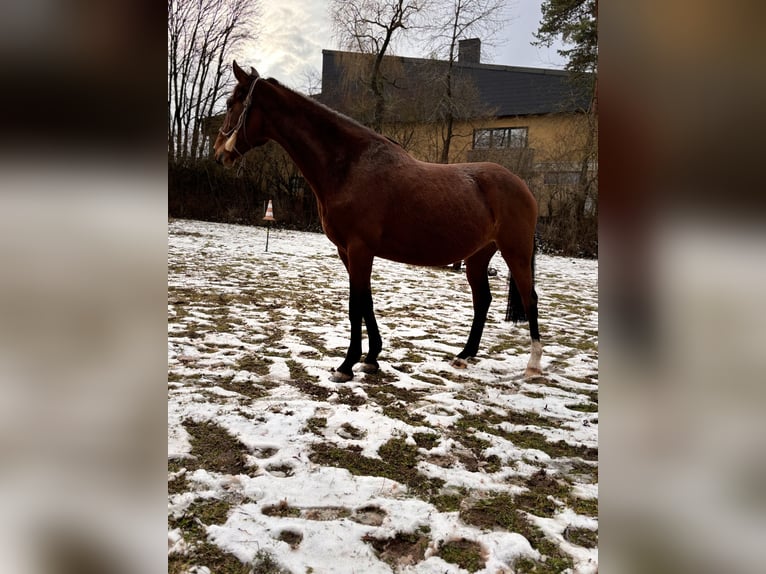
{"x": 242, "y": 127}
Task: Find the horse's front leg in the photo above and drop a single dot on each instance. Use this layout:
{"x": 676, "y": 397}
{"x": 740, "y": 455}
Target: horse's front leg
{"x": 359, "y": 266}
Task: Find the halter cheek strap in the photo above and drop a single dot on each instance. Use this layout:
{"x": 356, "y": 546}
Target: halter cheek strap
{"x": 232, "y": 134}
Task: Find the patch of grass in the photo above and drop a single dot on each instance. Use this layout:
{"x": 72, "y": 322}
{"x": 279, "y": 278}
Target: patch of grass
{"x": 549, "y": 566}
{"x": 412, "y": 357}
{"x": 313, "y": 340}
{"x": 380, "y": 377}
{"x": 453, "y": 375}
{"x": 246, "y": 388}
{"x": 291, "y": 537}
{"x": 504, "y": 346}
{"x": 402, "y": 548}
{"x": 211, "y": 511}
{"x": 347, "y": 396}
{"x": 426, "y": 440}
{"x": 273, "y": 337}
{"x": 192, "y": 524}
{"x": 178, "y": 484}
{"x": 489, "y": 421}
{"x": 447, "y": 502}
{"x": 465, "y": 553}
{"x": 581, "y": 536}
{"x": 497, "y": 511}
{"x": 431, "y": 380}
{"x": 387, "y": 394}
{"x": 300, "y": 378}
{"x": 180, "y": 232}
{"x": 190, "y": 332}
{"x": 401, "y": 412}
{"x": 353, "y": 432}
{"x": 583, "y": 407}
{"x": 210, "y": 555}
{"x": 542, "y": 486}
{"x": 318, "y": 392}
{"x": 531, "y": 439}
{"x": 265, "y": 563}
{"x": 475, "y": 444}
{"x": 255, "y": 364}
{"x": 298, "y": 372}
{"x": 316, "y": 425}
{"x": 215, "y": 450}
{"x": 584, "y": 506}
{"x": 283, "y": 510}
{"x": 579, "y": 471}
{"x": 397, "y": 461}
{"x": 492, "y": 464}
{"x": 501, "y": 511}
{"x": 397, "y": 403}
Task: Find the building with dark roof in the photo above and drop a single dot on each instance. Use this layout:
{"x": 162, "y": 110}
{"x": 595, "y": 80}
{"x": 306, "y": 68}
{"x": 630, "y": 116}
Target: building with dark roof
{"x": 532, "y": 120}
{"x": 508, "y": 90}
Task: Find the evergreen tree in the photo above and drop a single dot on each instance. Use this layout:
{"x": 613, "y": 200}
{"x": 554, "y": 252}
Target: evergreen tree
{"x": 575, "y": 21}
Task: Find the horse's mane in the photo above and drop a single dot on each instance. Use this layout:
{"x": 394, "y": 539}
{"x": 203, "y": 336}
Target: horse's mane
{"x": 330, "y": 111}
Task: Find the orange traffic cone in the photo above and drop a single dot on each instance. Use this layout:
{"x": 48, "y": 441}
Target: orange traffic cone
{"x": 269, "y": 213}
{"x": 268, "y": 217}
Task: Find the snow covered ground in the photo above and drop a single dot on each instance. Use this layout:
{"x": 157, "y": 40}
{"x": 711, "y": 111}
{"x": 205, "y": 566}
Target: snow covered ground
{"x": 419, "y": 468}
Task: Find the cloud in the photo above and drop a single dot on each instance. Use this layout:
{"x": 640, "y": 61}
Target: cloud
{"x": 293, "y": 35}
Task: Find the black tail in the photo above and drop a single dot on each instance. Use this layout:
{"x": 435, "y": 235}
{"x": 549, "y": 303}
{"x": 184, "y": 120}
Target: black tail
{"x": 514, "y": 311}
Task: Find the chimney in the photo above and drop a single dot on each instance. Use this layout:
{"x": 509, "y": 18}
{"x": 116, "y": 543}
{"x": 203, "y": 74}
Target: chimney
{"x": 469, "y": 51}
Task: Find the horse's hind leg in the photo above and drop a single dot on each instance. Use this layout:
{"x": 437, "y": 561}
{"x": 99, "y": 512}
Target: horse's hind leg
{"x": 522, "y": 273}
{"x": 476, "y": 271}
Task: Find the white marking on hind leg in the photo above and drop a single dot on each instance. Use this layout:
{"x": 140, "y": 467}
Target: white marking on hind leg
{"x": 533, "y": 366}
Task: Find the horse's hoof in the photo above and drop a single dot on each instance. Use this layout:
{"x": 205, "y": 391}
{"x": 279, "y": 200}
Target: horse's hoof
{"x": 459, "y": 363}
{"x": 370, "y": 368}
{"x": 339, "y": 377}
{"x": 532, "y": 372}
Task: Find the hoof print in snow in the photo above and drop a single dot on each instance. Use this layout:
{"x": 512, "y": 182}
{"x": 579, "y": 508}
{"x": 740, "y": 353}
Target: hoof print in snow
{"x": 404, "y": 549}
{"x": 292, "y": 537}
{"x": 369, "y": 515}
{"x": 280, "y": 470}
{"x": 264, "y": 451}
{"x": 325, "y": 513}
{"x": 350, "y": 432}
{"x": 282, "y": 510}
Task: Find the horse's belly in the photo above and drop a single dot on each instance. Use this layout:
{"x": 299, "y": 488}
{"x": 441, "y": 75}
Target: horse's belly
{"x": 423, "y": 248}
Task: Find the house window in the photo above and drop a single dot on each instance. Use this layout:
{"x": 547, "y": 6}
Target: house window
{"x": 297, "y": 184}
{"x": 561, "y": 177}
{"x": 499, "y": 138}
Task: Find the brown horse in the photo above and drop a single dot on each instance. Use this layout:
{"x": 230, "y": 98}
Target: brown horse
{"x": 375, "y": 200}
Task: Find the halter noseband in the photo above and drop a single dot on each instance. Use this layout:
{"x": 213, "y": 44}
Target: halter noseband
{"x": 232, "y": 133}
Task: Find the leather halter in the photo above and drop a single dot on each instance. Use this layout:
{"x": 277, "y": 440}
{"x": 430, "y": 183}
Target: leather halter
{"x": 232, "y": 133}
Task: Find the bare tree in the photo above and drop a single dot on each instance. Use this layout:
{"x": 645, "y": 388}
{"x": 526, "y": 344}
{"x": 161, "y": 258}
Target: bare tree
{"x": 371, "y": 27}
{"x": 202, "y": 35}
{"x": 464, "y": 19}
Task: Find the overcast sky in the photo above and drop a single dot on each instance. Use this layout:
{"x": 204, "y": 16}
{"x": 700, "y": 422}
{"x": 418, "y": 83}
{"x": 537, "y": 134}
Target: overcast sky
{"x": 294, "y": 33}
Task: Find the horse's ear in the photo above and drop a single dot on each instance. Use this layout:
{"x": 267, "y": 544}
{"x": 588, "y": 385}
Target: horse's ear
{"x": 239, "y": 73}
{"x": 254, "y": 73}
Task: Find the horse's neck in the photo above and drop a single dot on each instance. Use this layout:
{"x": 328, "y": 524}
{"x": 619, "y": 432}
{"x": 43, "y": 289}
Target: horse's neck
{"x": 318, "y": 141}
